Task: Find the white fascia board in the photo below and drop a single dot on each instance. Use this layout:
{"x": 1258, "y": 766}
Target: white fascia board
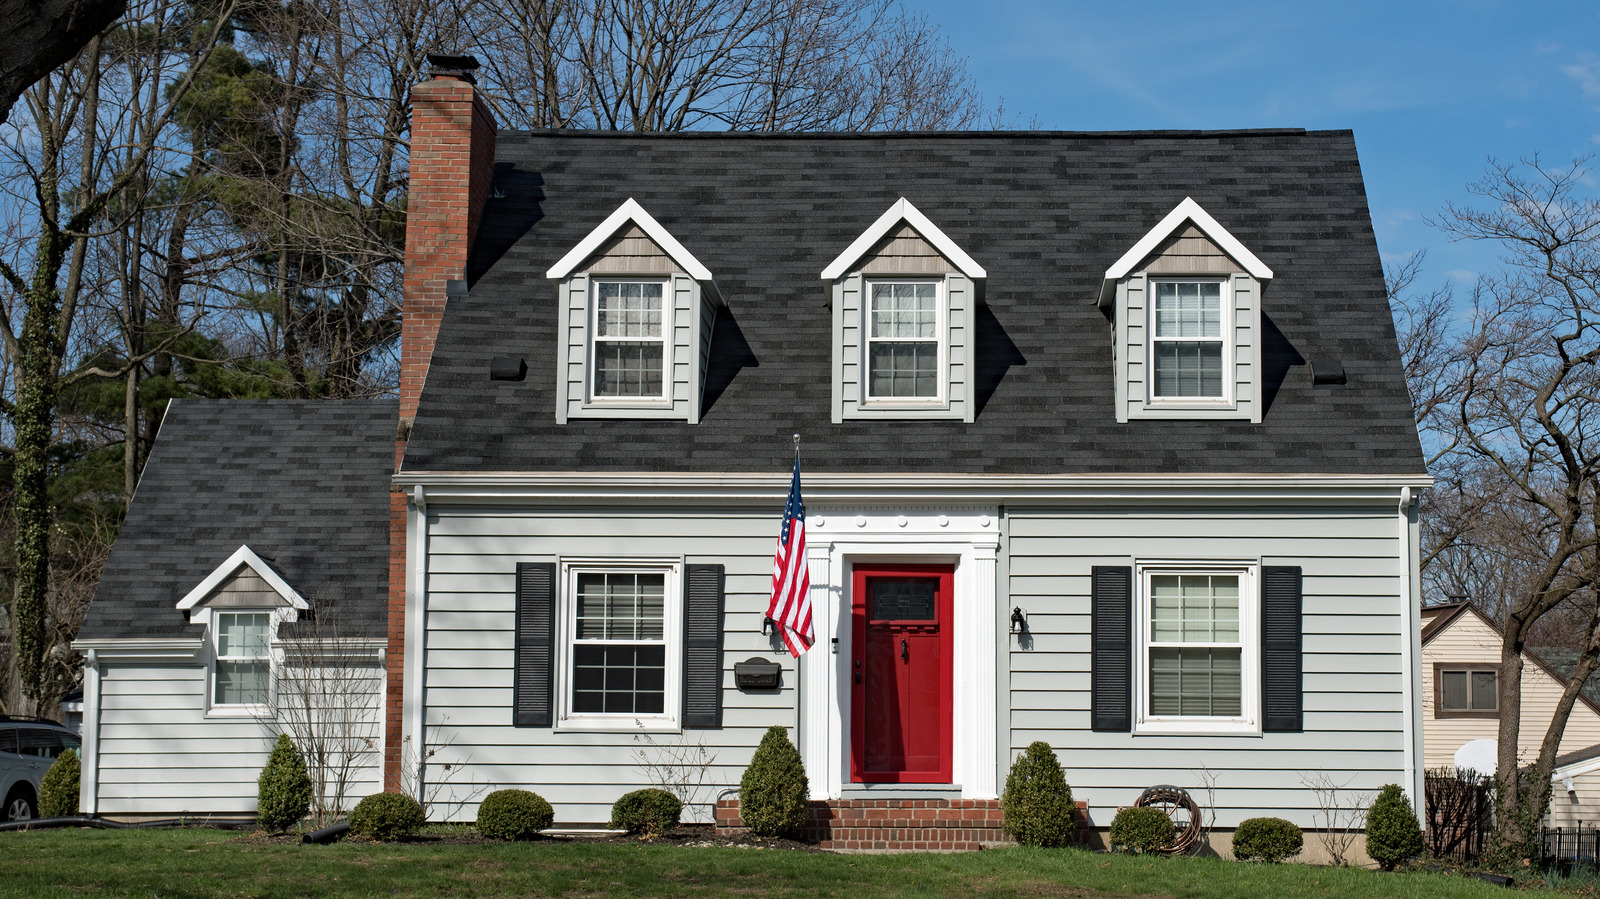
{"x": 141, "y": 648}
{"x": 244, "y": 555}
{"x": 580, "y": 487}
{"x": 630, "y": 211}
{"x": 903, "y": 211}
{"x": 1187, "y": 211}
{"x": 1576, "y": 769}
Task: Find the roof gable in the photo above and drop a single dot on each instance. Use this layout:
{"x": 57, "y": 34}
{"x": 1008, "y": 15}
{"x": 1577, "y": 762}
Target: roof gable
{"x": 243, "y": 557}
{"x": 903, "y": 212}
{"x": 1186, "y": 212}
{"x": 629, "y": 212}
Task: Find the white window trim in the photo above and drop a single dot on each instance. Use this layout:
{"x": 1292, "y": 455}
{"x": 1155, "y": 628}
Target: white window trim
{"x": 591, "y": 366}
{"x": 1230, "y": 367}
{"x": 941, "y": 331}
{"x": 672, "y": 633}
{"x": 1248, "y": 722}
{"x": 208, "y": 618}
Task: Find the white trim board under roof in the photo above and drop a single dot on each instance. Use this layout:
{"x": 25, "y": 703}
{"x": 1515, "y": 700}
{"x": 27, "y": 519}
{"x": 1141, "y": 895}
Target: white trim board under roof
{"x": 630, "y": 211}
{"x": 903, "y": 211}
{"x": 1187, "y": 211}
{"x": 244, "y": 555}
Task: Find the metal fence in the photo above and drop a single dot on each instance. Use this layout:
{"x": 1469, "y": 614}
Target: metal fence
{"x": 1566, "y": 847}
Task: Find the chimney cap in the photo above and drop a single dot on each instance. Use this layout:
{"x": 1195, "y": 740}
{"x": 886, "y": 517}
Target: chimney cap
{"x": 460, "y": 66}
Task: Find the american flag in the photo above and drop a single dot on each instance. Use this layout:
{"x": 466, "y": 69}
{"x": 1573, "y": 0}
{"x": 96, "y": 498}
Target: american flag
{"x": 791, "y": 579}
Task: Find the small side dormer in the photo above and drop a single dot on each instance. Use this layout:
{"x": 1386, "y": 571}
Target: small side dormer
{"x": 636, "y": 311}
{"x": 904, "y": 303}
{"x": 1186, "y": 312}
{"x": 240, "y": 604}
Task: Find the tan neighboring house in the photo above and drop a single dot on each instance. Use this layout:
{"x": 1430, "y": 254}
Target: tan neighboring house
{"x": 1460, "y": 689}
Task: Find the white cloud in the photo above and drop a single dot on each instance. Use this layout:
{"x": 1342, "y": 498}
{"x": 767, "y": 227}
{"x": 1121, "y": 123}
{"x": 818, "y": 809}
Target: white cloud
{"x": 1586, "y": 74}
{"x": 1465, "y": 276}
{"x": 1518, "y": 122}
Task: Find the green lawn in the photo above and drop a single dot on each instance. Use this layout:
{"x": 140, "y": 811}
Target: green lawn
{"x": 171, "y": 864}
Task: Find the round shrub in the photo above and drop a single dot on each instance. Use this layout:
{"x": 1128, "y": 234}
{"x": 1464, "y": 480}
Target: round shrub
{"x": 283, "y": 794}
{"x": 1267, "y": 839}
{"x": 773, "y": 790}
{"x": 513, "y": 815}
{"x": 1141, "y": 830}
{"x": 58, "y": 791}
{"x": 1037, "y": 804}
{"x": 387, "y": 817}
{"x": 1393, "y": 834}
{"x": 649, "y": 811}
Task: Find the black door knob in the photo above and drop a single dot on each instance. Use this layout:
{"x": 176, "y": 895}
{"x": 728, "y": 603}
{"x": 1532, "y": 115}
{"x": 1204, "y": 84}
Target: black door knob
{"x": 905, "y": 651}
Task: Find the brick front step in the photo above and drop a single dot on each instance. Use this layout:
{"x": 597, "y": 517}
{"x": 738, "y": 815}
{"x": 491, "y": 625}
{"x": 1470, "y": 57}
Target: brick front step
{"x": 923, "y": 825}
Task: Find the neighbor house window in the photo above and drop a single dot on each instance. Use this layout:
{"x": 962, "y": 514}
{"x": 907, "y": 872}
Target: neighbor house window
{"x": 1466, "y": 691}
{"x": 1187, "y": 346}
{"x": 1198, "y": 650}
{"x": 622, "y": 649}
{"x": 903, "y": 345}
{"x": 244, "y": 672}
{"x": 629, "y": 343}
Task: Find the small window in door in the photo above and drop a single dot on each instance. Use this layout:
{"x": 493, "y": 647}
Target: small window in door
{"x": 904, "y": 599}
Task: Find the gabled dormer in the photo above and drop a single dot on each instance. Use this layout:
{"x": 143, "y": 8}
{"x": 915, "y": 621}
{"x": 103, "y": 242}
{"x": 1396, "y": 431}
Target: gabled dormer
{"x": 635, "y": 316}
{"x": 1186, "y": 308}
{"x": 904, "y": 300}
{"x": 240, "y": 604}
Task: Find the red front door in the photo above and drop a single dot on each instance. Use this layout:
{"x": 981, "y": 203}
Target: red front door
{"x": 900, "y": 674}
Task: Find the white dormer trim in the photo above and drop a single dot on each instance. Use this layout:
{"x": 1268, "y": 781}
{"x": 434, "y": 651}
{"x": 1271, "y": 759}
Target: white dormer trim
{"x": 630, "y": 211}
{"x": 1187, "y": 211}
{"x": 903, "y": 211}
{"x": 244, "y": 555}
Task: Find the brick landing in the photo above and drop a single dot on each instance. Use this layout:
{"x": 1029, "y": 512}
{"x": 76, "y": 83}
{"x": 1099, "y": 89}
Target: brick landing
{"x": 920, "y": 825}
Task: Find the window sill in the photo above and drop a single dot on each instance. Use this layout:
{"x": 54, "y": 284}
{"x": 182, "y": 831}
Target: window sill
{"x": 618, "y": 725}
{"x": 240, "y": 711}
{"x": 1207, "y": 727}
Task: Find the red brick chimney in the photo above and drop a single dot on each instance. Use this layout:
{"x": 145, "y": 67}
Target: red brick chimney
{"x": 452, "y": 164}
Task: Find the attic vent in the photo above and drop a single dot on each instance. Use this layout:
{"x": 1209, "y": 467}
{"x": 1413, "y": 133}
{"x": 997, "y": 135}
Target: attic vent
{"x": 1327, "y": 371}
{"x": 507, "y": 368}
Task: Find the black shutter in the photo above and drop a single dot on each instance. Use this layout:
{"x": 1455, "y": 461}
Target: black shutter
{"x": 1111, "y": 661}
{"x": 702, "y": 646}
{"x": 1281, "y": 649}
{"x": 532, "y": 690}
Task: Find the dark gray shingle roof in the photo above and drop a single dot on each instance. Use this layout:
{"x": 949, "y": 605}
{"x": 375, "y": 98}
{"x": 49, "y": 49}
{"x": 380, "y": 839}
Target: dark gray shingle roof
{"x": 305, "y": 483}
{"x": 1046, "y": 214}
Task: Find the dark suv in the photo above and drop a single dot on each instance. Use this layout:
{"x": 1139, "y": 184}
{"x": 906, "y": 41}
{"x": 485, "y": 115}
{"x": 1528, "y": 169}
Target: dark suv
{"x": 28, "y": 747}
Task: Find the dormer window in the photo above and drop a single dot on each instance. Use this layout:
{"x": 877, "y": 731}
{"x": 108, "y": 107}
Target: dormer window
{"x": 244, "y": 672}
{"x": 636, "y": 311}
{"x": 241, "y": 604}
{"x": 1185, "y": 304}
{"x": 629, "y": 352}
{"x": 904, "y": 304}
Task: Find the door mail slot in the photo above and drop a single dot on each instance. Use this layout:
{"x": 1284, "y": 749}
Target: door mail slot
{"x": 756, "y": 674}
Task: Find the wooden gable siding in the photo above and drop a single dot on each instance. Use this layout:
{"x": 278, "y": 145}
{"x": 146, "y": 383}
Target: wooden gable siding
{"x": 1190, "y": 252}
{"x": 244, "y": 589}
{"x": 631, "y": 252}
{"x": 1469, "y": 639}
{"x": 904, "y": 252}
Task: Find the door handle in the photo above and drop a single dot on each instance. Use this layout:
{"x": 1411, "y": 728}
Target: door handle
{"x": 905, "y": 651}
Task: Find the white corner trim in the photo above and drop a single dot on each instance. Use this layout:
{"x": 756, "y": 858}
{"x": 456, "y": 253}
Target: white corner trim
{"x": 902, "y": 210}
{"x": 244, "y": 555}
{"x": 629, "y": 211}
{"x": 1187, "y": 211}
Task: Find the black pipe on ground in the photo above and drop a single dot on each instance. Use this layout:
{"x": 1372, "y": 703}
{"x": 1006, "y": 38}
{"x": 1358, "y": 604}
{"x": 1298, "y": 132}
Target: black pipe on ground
{"x": 327, "y": 834}
{"x": 102, "y": 823}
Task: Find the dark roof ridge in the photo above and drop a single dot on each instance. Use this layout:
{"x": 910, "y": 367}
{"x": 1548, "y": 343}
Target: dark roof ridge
{"x": 917, "y": 135}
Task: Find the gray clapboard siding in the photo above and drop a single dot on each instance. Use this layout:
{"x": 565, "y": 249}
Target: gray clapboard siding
{"x": 159, "y": 753}
{"x": 1354, "y": 619}
{"x": 469, "y": 659}
{"x": 1190, "y": 252}
{"x": 850, "y": 332}
{"x": 244, "y": 589}
{"x": 905, "y": 252}
{"x": 630, "y": 252}
{"x": 1131, "y": 336}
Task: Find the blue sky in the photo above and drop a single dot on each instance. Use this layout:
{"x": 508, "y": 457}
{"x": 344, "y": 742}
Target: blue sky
{"x": 1431, "y": 90}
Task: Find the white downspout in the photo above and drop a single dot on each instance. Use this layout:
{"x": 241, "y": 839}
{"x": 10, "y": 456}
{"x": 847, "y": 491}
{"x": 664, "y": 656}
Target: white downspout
{"x": 89, "y": 778}
{"x": 1410, "y": 648}
{"x": 415, "y": 708}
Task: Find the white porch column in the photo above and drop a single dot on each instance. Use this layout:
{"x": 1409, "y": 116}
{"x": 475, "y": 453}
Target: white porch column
{"x": 979, "y": 781}
{"x": 821, "y": 721}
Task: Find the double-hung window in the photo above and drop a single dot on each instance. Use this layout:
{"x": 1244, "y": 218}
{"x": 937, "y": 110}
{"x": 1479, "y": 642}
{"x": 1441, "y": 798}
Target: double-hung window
{"x": 904, "y": 349}
{"x": 621, "y": 657}
{"x": 243, "y": 674}
{"x": 1199, "y": 649}
{"x": 1466, "y": 691}
{"x": 629, "y": 345}
{"x": 1188, "y": 347}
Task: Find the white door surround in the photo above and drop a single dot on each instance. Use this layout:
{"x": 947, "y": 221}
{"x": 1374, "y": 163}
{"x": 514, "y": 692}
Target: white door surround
{"x": 837, "y": 538}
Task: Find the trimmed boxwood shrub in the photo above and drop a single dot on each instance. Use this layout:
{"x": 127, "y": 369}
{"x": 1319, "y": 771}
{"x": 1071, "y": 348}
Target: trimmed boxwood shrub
{"x": 1141, "y": 830}
{"x": 774, "y": 789}
{"x": 513, "y": 815}
{"x": 1037, "y": 803}
{"x": 58, "y": 791}
{"x": 650, "y": 811}
{"x": 1393, "y": 835}
{"x": 387, "y": 817}
{"x": 283, "y": 794}
{"x": 1267, "y": 839}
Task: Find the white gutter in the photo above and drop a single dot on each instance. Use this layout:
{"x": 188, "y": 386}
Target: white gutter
{"x": 140, "y": 648}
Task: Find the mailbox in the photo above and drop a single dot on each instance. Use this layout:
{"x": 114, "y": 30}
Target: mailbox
{"x": 756, "y": 674}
